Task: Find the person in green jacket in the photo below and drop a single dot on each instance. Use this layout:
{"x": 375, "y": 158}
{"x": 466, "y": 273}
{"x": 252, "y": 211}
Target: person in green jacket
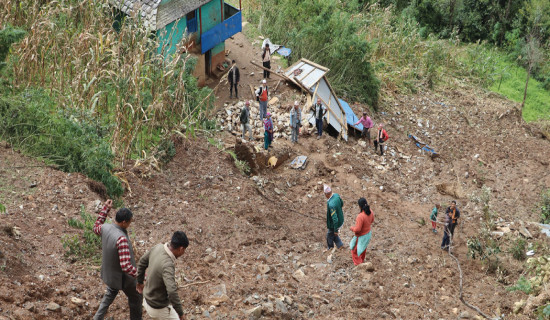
{"x": 335, "y": 218}
{"x": 433, "y": 217}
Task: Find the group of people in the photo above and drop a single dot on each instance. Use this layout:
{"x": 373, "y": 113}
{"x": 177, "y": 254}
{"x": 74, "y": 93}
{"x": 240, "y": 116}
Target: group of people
{"x": 450, "y": 221}
{"x": 361, "y": 229}
{"x": 149, "y": 284}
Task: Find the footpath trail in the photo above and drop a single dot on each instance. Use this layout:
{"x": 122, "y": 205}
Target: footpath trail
{"x": 257, "y": 243}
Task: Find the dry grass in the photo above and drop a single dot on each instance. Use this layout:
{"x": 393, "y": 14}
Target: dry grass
{"x": 73, "y": 51}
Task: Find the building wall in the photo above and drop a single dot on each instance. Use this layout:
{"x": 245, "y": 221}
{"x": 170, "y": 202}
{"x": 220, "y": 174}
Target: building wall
{"x": 211, "y": 15}
{"x": 171, "y": 35}
{"x": 218, "y": 55}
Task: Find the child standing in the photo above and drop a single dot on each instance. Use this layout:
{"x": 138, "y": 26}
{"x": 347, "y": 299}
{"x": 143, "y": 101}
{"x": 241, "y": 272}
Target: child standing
{"x": 433, "y": 217}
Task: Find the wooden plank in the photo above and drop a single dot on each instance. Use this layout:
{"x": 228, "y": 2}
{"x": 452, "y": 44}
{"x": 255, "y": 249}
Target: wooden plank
{"x": 302, "y": 77}
{"x": 272, "y": 72}
{"x": 315, "y": 65}
{"x": 277, "y": 86}
{"x": 253, "y": 93}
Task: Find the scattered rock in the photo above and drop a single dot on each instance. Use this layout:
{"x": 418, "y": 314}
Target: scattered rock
{"x": 78, "y": 301}
{"x": 52, "y": 306}
{"x": 302, "y": 307}
{"x": 299, "y": 275}
{"x": 518, "y": 306}
{"x": 465, "y": 315}
{"x": 263, "y": 268}
{"x": 209, "y": 259}
{"x": 254, "y": 313}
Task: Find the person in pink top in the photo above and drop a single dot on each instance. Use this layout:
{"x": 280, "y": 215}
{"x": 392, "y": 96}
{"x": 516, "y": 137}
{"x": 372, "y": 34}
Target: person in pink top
{"x": 367, "y": 124}
{"x": 362, "y": 231}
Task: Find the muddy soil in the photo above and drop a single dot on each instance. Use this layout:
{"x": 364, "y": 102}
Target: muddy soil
{"x": 257, "y": 242}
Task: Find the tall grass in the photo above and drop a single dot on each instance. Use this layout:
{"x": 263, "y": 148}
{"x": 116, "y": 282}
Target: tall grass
{"x": 510, "y": 82}
{"x": 74, "y": 53}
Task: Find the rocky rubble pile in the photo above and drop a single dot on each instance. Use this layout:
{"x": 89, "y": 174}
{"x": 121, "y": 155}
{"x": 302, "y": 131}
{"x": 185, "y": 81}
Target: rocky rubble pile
{"x": 228, "y": 119}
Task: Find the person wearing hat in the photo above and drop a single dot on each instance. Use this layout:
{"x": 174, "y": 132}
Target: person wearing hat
{"x": 367, "y": 124}
{"x": 268, "y": 134}
{"x": 262, "y": 95}
{"x": 245, "y": 119}
{"x": 335, "y": 217}
{"x": 233, "y": 77}
{"x": 266, "y": 60}
{"x": 319, "y": 111}
{"x": 295, "y": 121}
{"x": 381, "y": 137}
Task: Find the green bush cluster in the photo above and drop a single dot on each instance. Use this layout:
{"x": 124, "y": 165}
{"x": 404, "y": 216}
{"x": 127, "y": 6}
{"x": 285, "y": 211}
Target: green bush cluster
{"x": 8, "y": 36}
{"x": 326, "y": 32}
{"x": 31, "y": 122}
{"x": 86, "y": 246}
{"x": 545, "y": 207}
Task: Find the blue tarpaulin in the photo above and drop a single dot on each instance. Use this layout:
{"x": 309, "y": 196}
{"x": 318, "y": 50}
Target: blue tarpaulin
{"x": 351, "y": 118}
{"x": 284, "y": 51}
{"x": 423, "y": 146}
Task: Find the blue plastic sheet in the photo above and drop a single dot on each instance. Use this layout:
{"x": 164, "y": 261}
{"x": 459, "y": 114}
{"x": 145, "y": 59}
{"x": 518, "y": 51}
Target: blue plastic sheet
{"x": 422, "y": 145}
{"x": 284, "y": 51}
{"x": 351, "y": 118}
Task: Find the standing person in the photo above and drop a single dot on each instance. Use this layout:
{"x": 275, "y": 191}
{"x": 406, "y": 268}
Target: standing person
{"x": 160, "y": 291}
{"x": 266, "y": 60}
{"x": 367, "y": 124}
{"x": 234, "y": 77}
{"x": 245, "y": 119}
{"x": 319, "y": 111}
{"x": 451, "y": 220}
{"x": 295, "y": 121}
{"x": 335, "y": 217}
{"x": 262, "y": 95}
{"x": 118, "y": 269}
{"x": 268, "y": 134}
{"x": 381, "y": 137}
{"x": 433, "y": 217}
{"x": 362, "y": 227}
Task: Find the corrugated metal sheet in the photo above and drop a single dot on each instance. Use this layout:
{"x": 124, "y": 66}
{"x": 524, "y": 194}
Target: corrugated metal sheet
{"x": 156, "y": 14}
{"x": 312, "y": 78}
{"x": 169, "y": 11}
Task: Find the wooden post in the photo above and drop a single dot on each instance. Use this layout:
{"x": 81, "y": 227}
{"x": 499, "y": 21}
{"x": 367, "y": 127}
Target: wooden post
{"x": 221, "y": 2}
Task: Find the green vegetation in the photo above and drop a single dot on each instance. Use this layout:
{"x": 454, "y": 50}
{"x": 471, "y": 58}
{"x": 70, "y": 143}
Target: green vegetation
{"x": 545, "y": 207}
{"x": 8, "y": 36}
{"x": 86, "y": 246}
{"x": 88, "y": 98}
{"x": 326, "y": 32}
{"x": 509, "y": 80}
{"x": 518, "y": 249}
{"x": 242, "y": 165}
{"x": 30, "y": 121}
{"x": 2, "y": 208}
{"x": 522, "y": 285}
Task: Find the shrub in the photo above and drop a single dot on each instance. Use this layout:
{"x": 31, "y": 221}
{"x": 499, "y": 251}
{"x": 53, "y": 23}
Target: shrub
{"x": 86, "y": 246}
{"x": 31, "y": 122}
{"x": 324, "y": 32}
{"x": 518, "y": 249}
{"x": 2, "y": 208}
{"x": 545, "y": 207}
{"x": 8, "y": 36}
{"x": 522, "y": 285}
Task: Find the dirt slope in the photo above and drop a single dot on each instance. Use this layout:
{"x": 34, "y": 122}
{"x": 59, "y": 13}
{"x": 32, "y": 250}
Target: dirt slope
{"x": 249, "y": 236}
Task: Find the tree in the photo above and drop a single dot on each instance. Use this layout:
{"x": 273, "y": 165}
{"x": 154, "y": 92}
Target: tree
{"x": 532, "y": 57}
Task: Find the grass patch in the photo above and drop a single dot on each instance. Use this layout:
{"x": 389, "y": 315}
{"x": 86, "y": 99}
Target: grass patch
{"x": 510, "y": 82}
{"x": 86, "y": 246}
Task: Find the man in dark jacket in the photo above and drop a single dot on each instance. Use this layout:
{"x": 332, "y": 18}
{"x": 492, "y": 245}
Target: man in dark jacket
{"x": 335, "y": 218}
{"x": 234, "y": 77}
{"x": 118, "y": 269}
{"x": 319, "y": 111}
{"x": 160, "y": 291}
{"x": 245, "y": 121}
{"x": 451, "y": 214}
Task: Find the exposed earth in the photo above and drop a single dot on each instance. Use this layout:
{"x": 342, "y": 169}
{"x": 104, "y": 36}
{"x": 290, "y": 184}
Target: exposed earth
{"x": 257, "y": 242}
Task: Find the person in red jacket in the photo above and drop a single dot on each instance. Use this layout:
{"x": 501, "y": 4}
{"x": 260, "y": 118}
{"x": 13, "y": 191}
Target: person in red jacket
{"x": 381, "y": 137}
{"x": 362, "y": 232}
